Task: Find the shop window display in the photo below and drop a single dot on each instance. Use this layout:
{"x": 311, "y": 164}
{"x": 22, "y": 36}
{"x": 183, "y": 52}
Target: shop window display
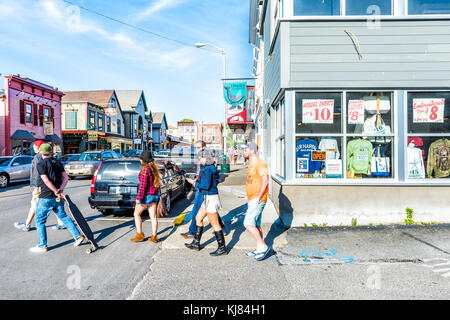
{"x": 428, "y": 152}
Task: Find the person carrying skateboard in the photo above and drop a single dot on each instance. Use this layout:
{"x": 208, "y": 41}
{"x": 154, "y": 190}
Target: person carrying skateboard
{"x": 35, "y": 190}
{"x": 207, "y": 185}
{"x": 52, "y": 181}
{"x": 148, "y": 196}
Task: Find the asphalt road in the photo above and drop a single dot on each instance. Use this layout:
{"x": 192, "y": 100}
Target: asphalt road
{"x": 65, "y": 271}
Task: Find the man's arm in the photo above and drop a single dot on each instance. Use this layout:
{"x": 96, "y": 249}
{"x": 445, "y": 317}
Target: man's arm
{"x": 264, "y": 185}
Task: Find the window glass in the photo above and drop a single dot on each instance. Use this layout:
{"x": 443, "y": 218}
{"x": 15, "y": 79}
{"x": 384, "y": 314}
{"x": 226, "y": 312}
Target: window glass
{"x": 428, "y": 151}
{"x": 368, "y": 157}
{"x": 100, "y": 123}
{"x": 368, "y": 7}
{"x": 318, "y": 112}
{"x": 91, "y": 120}
{"x": 27, "y": 160}
{"x": 318, "y": 157}
{"x": 18, "y": 162}
{"x": 317, "y": 7}
{"x": 46, "y": 114}
{"x": 428, "y": 7}
{"x": 28, "y": 112}
{"x": 369, "y": 113}
{"x": 71, "y": 119}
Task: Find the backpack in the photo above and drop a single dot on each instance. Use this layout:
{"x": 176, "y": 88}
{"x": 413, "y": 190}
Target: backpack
{"x": 442, "y": 154}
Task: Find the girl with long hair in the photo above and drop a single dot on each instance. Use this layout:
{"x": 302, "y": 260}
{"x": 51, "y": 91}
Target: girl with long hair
{"x": 147, "y": 197}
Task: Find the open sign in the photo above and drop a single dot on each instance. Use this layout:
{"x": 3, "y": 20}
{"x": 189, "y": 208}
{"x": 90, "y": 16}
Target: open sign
{"x": 318, "y": 156}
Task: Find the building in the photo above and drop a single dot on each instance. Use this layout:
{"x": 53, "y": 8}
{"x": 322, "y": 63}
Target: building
{"x": 29, "y": 111}
{"x": 211, "y": 134}
{"x": 353, "y": 109}
{"x": 172, "y": 131}
{"x": 114, "y": 138}
{"x": 83, "y": 126}
{"x": 134, "y": 108}
{"x": 187, "y": 130}
{"x": 159, "y": 128}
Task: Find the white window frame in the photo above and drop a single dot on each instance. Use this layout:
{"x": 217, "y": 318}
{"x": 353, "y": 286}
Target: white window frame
{"x": 422, "y": 15}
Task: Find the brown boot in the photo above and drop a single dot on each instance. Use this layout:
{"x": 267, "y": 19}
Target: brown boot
{"x": 138, "y": 238}
{"x": 153, "y": 239}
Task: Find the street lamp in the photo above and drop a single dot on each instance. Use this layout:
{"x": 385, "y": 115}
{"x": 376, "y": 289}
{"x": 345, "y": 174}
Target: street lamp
{"x": 222, "y": 51}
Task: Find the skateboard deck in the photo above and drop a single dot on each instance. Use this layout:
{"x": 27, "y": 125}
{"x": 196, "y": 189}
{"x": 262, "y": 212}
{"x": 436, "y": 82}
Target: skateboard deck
{"x": 81, "y": 224}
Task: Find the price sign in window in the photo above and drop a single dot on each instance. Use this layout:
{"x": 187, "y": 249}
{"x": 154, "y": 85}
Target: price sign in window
{"x": 356, "y": 112}
{"x": 318, "y": 111}
{"x": 428, "y": 110}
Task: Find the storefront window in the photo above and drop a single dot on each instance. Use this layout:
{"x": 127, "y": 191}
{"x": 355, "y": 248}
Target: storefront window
{"x": 368, "y": 7}
{"x": 317, "y": 7}
{"x": 428, "y": 7}
{"x": 91, "y": 122}
{"x": 363, "y": 148}
{"x": 100, "y": 123}
{"x": 428, "y": 151}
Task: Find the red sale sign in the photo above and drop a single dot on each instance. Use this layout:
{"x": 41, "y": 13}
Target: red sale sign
{"x": 428, "y": 110}
{"x": 318, "y": 111}
{"x": 356, "y": 112}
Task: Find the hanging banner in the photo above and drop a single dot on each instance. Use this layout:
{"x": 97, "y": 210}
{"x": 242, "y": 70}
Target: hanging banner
{"x": 235, "y": 93}
{"x": 428, "y": 110}
{"x": 318, "y": 111}
{"x": 238, "y": 118}
{"x": 356, "y": 112}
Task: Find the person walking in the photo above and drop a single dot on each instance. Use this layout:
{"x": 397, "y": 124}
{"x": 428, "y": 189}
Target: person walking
{"x": 148, "y": 196}
{"x": 257, "y": 192}
{"x": 52, "y": 181}
{"x": 207, "y": 185}
{"x": 200, "y": 147}
{"x": 35, "y": 191}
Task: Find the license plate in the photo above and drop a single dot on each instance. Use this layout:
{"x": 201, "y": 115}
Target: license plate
{"x": 122, "y": 190}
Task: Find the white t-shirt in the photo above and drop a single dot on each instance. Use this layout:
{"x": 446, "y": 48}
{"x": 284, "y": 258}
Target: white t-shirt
{"x": 330, "y": 145}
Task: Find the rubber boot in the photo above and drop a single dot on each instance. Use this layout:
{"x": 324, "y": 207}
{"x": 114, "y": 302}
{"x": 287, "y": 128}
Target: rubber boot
{"x": 222, "y": 249}
{"x": 195, "y": 244}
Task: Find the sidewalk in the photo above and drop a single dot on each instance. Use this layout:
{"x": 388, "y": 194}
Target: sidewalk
{"x": 234, "y": 202}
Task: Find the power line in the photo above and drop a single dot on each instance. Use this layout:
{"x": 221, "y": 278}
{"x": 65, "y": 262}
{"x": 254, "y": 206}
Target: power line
{"x": 132, "y": 26}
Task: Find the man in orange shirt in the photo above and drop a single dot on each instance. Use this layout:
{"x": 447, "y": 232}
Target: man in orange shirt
{"x": 257, "y": 188}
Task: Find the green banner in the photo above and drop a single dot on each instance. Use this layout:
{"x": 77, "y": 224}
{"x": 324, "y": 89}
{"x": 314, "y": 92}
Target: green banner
{"x": 235, "y": 92}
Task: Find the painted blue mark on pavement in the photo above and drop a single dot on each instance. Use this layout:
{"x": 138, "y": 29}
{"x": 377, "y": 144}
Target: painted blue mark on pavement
{"x": 312, "y": 255}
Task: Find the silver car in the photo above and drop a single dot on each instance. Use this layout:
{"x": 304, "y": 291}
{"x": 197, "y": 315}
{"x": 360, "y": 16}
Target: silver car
{"x": 88, "y": 162}
{"x": 14, "y": 169}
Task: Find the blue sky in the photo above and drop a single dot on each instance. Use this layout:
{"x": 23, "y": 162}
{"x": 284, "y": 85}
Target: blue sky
{"x": 47, "y": 41}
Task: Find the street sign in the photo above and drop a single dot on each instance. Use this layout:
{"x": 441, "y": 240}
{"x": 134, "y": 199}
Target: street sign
{"x": 48, "y": 128}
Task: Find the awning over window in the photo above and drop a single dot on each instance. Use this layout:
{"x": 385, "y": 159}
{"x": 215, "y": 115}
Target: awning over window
{"x": 22, "y": 135}
{"x": 53, "y": 138}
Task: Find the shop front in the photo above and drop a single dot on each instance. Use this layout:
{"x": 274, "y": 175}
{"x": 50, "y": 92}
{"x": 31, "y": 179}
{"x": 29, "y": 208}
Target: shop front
{"x": 118, "y": 144}
{"x": 360, "y": 154}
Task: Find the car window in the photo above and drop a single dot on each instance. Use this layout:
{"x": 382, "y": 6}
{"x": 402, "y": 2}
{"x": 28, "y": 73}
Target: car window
{"x": 4, "y": 162}
{"x": 27, "y": 160}
{"x": 73, "y": 158}
{"x": 116, "y": 170}
{"x": 107, "y": 155}
{"x": 90, "y": 156}
{"x": 18, "y": 161}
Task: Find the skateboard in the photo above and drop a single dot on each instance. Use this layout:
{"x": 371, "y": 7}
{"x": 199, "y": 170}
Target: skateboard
{"x": 81, "y": 224}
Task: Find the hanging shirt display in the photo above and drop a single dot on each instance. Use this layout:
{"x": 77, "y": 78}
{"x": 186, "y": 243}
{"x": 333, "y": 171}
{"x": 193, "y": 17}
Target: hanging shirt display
{"x": 416, "y": 168}
{"x": 359, "y": 154}
{"x": 304, "y": 156}
{"x": 330, "y": 146}
{"x": 438, "y": 165}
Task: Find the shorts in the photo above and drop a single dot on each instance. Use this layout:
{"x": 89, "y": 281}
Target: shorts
{"x": 211, "y": 203}
{"x": 254, "y": 213}
{"x": 149, "y": 199}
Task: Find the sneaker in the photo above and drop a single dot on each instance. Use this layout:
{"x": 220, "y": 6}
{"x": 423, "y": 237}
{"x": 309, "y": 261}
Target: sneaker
{"x": 186, "y": 235}
{"x": 38, "y": 250}
{"x": 58, "y": 227}
{"x": 22, "y": 226}
{"x": 78, "y": 241}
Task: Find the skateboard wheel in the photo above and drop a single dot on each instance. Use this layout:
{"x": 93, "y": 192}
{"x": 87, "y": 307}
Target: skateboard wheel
{"x": 88, "y": 251}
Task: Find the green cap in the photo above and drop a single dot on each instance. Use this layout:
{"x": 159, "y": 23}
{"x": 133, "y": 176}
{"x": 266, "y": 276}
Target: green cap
{"x": 45, "y": 149}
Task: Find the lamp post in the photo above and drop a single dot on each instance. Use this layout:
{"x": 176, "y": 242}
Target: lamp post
{"x": 224, "y": 66}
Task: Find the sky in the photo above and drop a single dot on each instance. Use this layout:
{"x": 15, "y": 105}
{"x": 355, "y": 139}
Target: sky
{"x": 73, "y": 49}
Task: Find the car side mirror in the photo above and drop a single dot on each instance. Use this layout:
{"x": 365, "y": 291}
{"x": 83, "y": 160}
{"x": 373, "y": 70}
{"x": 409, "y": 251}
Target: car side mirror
{"x": 15, "y": 164}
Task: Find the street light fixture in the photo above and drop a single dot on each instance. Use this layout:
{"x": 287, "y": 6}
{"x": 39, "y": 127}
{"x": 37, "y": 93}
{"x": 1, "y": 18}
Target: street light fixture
{"x": 222, "y": 51}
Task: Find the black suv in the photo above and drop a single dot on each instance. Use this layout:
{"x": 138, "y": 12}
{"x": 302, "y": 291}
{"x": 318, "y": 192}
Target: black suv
{"x": 115, "y": 184}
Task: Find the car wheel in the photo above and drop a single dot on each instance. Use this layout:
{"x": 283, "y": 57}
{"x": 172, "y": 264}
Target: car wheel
{"x": 4, "y": 180}
{"x": 168, "y": 202}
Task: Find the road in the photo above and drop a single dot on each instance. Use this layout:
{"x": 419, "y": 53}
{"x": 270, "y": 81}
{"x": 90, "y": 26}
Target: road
{"x": 379, "y": 262}
{"x": 65, "y": 271}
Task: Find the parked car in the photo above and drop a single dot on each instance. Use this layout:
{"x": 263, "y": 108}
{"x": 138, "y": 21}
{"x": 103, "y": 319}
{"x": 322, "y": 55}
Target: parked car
{"x": 115, "y": 184}
{"x": 14, "y": 169}
{"x": 65, "y": 159}
{"x": 88, "y": 162}
{"x": 133, "y": 153}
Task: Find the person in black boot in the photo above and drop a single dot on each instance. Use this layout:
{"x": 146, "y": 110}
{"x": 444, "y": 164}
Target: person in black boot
{"x": 207, "y": 185}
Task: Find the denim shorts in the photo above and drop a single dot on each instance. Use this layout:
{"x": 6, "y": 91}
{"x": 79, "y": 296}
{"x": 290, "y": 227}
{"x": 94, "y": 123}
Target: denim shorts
{"x": 254, "y": 213}
{"x": 149, "y": 199}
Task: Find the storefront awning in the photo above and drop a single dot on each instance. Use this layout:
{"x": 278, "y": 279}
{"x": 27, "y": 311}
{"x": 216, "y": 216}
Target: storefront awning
{"x": 22, "y": 135}
{"x": 53, "y": 138}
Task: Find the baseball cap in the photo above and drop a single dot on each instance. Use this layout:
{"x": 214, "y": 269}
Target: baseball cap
{"x": 38, "y": 143}
{"x": 45, "y": 149}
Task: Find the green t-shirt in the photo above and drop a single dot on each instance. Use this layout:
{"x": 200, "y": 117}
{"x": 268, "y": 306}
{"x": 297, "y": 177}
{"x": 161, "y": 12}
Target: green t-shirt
{"x": 359, "y": 156}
